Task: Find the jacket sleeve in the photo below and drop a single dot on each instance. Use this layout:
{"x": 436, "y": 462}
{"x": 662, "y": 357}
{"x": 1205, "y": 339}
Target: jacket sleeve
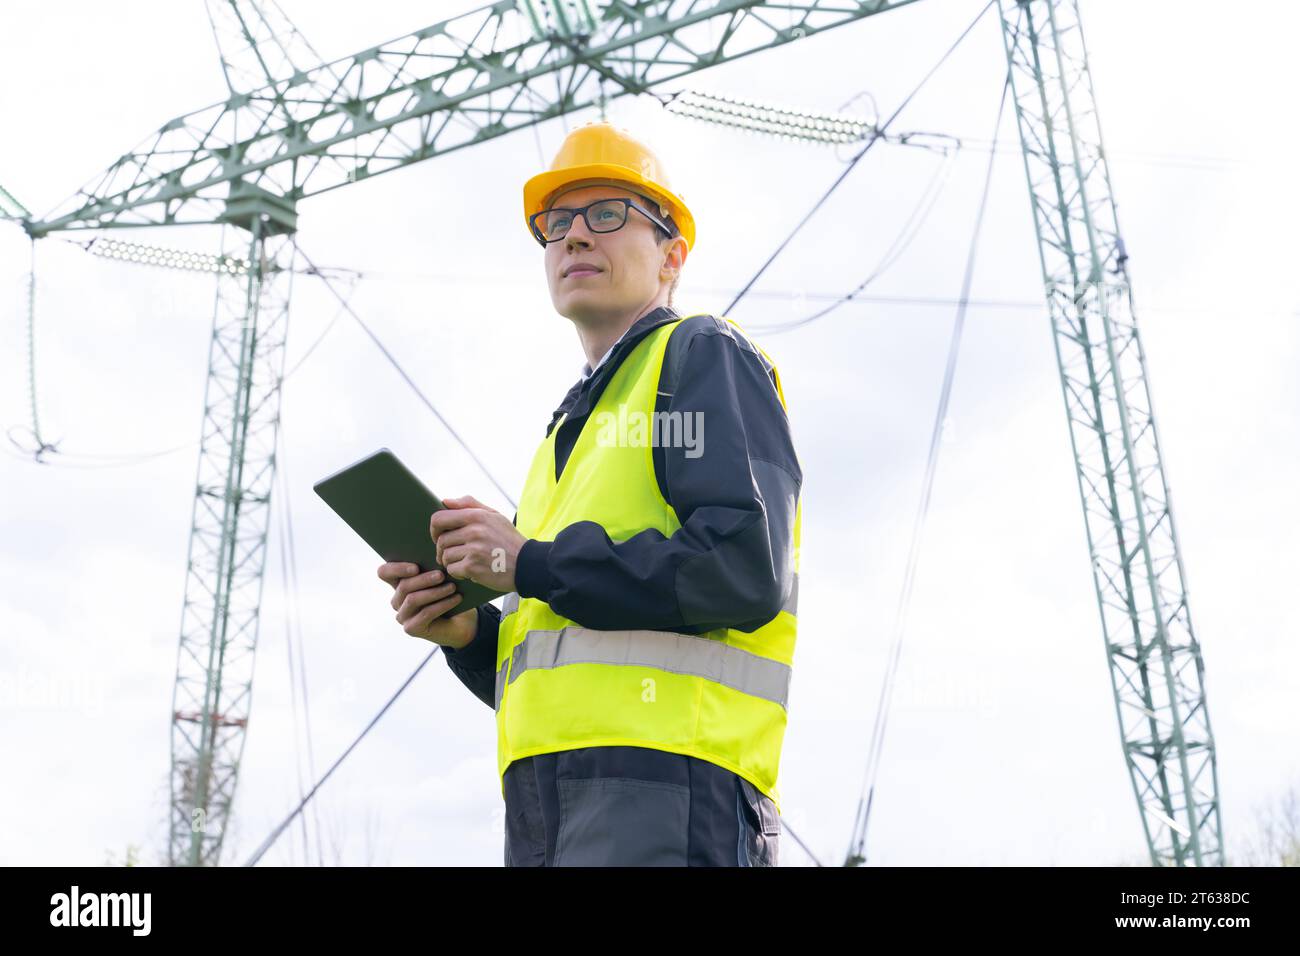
{"x": 475, "y": 663}
{"x": 734, "y": 489}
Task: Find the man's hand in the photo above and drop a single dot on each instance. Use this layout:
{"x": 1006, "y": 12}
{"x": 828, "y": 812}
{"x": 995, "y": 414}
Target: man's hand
{"x": 476, "y": 542}
{"x": 423, "y": 603}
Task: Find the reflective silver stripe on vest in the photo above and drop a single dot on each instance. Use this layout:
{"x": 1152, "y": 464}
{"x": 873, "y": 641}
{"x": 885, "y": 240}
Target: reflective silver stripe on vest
{"x": 501, "y": 684}
{"x": 510, "y": 604}
{"x": 678, "y": 653}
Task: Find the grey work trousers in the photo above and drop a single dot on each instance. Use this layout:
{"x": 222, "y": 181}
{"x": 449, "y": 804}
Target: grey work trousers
{"x": 634, "y": 806}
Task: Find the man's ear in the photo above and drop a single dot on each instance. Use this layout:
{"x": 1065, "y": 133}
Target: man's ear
{"x": 675, "y": 255}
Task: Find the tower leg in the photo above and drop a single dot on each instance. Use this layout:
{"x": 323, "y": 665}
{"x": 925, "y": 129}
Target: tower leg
{"x": 227, "y": 550}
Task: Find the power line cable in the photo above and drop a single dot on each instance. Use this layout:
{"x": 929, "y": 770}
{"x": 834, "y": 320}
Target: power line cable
{"x": 1169, "y": 160}
{"x": 302, "y": 655}
{"x": 911, "y": 229}
{"x": 293, "y": 687}
{"x": 875, "y": 138}
{"x": 42, "y": 446}
{"x": 126, "y": 459}
{"x": 298, "y": 662}
{"x": 326, "y": 331}
{"x": 857, "y": 845}
{"x": 275, "y": 834}
{"x": 803, "y": 846}
{"x": 318, "y": 273}
{"x": 114, "y": 460}
{"x": 313, "y": 270}
{"x": 925, "y": 301}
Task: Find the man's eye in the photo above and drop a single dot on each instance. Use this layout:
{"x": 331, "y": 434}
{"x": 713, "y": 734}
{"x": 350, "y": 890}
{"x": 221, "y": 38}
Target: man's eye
{"x": 559, "y": 222}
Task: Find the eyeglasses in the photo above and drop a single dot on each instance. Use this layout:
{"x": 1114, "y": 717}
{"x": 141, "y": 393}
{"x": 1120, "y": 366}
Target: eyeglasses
{"x": 603, "y": 215}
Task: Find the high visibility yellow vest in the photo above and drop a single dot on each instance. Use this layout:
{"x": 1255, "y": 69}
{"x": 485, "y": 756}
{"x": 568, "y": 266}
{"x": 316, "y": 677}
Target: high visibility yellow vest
{"x": 720, "y": 696}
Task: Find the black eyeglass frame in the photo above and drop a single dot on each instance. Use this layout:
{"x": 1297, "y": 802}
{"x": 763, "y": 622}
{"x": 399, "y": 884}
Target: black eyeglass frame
{"x": 582, "y": 211}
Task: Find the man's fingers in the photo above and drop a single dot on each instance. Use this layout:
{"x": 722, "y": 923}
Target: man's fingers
{"x": 407, "y": 585}
{"x": 415, "y": 600}
{"x": 416, "y": 625}
{"x": 400, "y": 591}
{"x": 450, "y": 518}
{"x": 392, "y": 572}
{"x": 449, "y": 539}
{"x": 454, "y": 555}
{"x": 459, "y": 569}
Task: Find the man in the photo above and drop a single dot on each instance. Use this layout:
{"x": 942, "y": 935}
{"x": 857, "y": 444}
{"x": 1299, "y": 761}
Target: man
{"x": 639, "y": 667}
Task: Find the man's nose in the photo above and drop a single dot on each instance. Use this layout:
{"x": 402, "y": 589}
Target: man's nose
{"x": 578, "y": 233}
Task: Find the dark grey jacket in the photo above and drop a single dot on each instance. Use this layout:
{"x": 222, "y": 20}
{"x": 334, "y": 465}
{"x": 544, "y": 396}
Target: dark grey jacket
{"x": 729, "y": 565}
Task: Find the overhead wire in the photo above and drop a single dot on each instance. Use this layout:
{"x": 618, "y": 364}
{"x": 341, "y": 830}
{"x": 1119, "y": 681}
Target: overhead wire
{"x": 297, "y": 662}
{"x": 126, "y": 459}
{"x": 313, "y": 270}
{"x": 288, "y": 554}
{"x": 293, "y": 687}
{"x": 875, "y": 113}
{"x": 876, "y": 136}
{"x": 911, "y": 229}
{"x": 920, "y": 301}
{"x": 289, "y": 576}
{"x": 345, "y": 306}
{"x": 284, "y": 824}
{"x": 42, "y": 445}
{"x": 338, "y": 314}
{"x": 857, "y": 846}
{"x": 275, "y": 834}
{"x": 302, "y": 653}
{"x": 113, "y": 460}
{"x": 1142, "y": 157}
{"x": 803, "y": 846}
{"x": 39, "y": 445}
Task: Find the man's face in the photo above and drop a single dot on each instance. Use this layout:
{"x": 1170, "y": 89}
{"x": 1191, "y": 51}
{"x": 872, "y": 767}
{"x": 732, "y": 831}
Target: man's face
{"x": 629, "y": 264}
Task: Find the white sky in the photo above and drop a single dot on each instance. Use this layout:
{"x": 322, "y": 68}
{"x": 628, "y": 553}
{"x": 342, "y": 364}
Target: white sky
{"x": 1002, "y": 747}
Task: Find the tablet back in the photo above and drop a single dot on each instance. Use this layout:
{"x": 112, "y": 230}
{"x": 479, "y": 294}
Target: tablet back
{"x": 383, "y": 502}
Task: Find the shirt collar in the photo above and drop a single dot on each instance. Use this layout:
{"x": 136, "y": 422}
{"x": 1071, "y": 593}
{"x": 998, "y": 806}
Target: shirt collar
{"x": 652, "y": 318}
{"x": 586, "y": 366}
{"x": 579, "y": 401}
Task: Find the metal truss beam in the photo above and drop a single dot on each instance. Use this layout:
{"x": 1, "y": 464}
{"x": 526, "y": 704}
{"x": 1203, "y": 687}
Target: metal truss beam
{"x": 454, "y": 84}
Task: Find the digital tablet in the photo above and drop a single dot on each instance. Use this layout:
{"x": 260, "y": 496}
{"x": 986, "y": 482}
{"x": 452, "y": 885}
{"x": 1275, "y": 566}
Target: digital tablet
{"x": 390, "y": 508}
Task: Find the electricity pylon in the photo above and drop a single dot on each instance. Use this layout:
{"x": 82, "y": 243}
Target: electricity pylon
{"x": 232, "y": 500}
{"x": 1156, "y": 669}
{"x": 249, "y": 160}
{"x": 228, "y": 537}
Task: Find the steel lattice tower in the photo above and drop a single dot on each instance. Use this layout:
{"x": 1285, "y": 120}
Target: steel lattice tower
{"x": 1155, "y": 661}
{"x": 228, "y": 536}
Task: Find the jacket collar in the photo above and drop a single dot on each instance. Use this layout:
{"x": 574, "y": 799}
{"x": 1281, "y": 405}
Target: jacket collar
{"x": 590, "y": 387}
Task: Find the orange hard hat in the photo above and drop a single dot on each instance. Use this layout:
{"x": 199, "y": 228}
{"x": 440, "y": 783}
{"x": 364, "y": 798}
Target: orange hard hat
{"x": 601, "y": 153}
